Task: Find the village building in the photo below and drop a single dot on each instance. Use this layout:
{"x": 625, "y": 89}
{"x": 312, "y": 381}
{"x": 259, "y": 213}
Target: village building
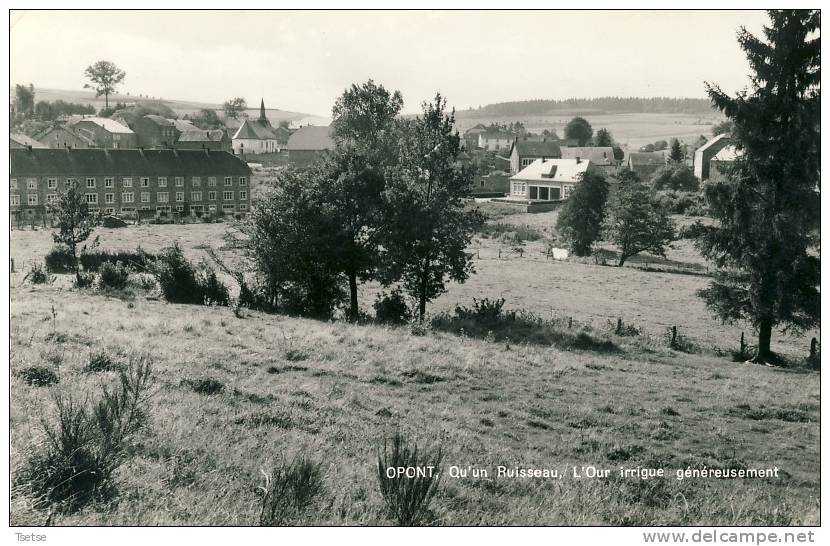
{"x": 599, "y": 156}
{"x": 704, "y": 155}
{"x": 525, "y": 151}
{"x": 130, "y": 182}
{"x": 19, "y": 140}
{"x": 470, "y": 139}
{"x": 309, "y": 143}
{"x": 103, "y": 132}
{"x": 212, "y": 139}
{"x": 723, "y": 160}
{"x": 59, "y": 136}
{"x": 496, "y": 140}
{"x": 256, "y": 136}
{"x": 154, "y": 131}
{"x": 548, "y": 179}
{"x": 646, "y": 164}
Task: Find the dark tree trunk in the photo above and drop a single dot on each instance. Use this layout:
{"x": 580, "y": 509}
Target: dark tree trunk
{"x": 422, "y": 299}
{"x": 622, "y": 260}
{"x": 764, "y": 338}
{"x": 353, "y": 310}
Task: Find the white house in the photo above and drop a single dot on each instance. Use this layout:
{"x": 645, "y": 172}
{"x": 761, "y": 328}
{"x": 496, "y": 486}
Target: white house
{"x": 496, "y": 141}
{"x": 548, "y": 179}
{"x": 256, "y": 136}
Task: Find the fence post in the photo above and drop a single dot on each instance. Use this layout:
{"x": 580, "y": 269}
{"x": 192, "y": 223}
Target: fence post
{"x": 813, "y": 348}
{"x": 619, "y": 324}
{"x": 570, "y": 322}
{"x": 743, "y": 346}
{"x": 673, "y": 336}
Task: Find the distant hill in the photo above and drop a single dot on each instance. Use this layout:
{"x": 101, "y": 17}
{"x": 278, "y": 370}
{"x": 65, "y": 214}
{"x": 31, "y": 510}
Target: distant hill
{"x": 599, "y": 105}
{"x": 180, "y": 107}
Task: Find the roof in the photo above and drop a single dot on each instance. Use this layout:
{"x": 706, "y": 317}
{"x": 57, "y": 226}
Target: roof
{"x": 497, "y": 135}
{"x": 158, "y": 120}
{"x": 200, "y": 135}
{"x": 598, "y": 155}
{"x": 563, "y": 170}
{"x": 24, "y": 140}
{"x": 542, "y": 148}
{"x": 712, "y": 142}
{"x": 107, "y": 124}
{"x": 728, "y": 153}
{"x": 256, "y": 130}
{"x": 125, "y": 161}
{"x": 183, "y": 125}
{"x": 647, "y": 158}
{"x": 42, "y": 136}
{"x": 311, "y": 137}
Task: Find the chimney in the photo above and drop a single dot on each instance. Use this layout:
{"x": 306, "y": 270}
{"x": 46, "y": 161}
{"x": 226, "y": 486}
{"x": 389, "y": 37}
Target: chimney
{"x": 28, "y": 147}
{"x": 578, "y": 160}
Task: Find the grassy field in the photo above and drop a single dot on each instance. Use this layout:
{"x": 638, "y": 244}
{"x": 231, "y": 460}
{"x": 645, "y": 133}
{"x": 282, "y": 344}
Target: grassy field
{"x": 335, "y": 391}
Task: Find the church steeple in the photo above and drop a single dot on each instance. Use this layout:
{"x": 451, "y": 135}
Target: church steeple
{"x": 262, "y": 111}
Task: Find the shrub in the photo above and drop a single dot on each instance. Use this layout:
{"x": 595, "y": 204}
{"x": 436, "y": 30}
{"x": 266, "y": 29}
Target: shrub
{"x": 485, "y": 311}
{"x": 100, "y": 361}
{"x": 181, "y": 282}
{"x": 210, "y": 287}
{"x": 113, "y": 275}
{"x": 289, "y": 490}
{"x": 86, "y": 444}
{"x": 39, "y": 376}
{"x": 84, "y": 280}
{"x": 205, "y": 385}
{"x": 134, "y": 259}
{"x": 38, "y": 275}
{"x": 59, "y": 260}
{"x": 408, "y": 498}
{"x": 391, "y": 308}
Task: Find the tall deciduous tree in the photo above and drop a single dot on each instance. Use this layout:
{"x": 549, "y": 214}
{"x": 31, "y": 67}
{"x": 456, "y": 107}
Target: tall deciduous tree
{"x": 429, "y": 227}
{"x": 234, "y": 107}
{"x": 580, "y": 220}
{"x": 75, "y": 221}
{"x": 104, "y": 77}
{"x": 636, "y": 222}
{"x": 604, "y": 138}
{"x": 580, "y": 130}
{"x": 24, "y": 100}
{"x": 768, "y": 207}
{"x": 364, "y": 129}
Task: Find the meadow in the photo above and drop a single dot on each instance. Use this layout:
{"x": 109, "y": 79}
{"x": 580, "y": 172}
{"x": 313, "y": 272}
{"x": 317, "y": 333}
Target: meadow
{"x": 335, "y": 391}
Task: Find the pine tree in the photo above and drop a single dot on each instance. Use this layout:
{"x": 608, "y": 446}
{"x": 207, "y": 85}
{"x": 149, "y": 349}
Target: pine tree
{"x": 768, "y": 207}
{"x": 676, "y": 153}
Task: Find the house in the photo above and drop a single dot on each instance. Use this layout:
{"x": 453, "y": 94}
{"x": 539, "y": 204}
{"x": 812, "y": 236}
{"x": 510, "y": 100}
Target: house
{"x": 184, "y": 125}
{"x": 103, "y": 132}
{"x": 213, "y": 139}
{"x": 59, "y": 136}
{"x": 722, "y": 160}
{"x": 705, "y": 153}
{"x": 19, "y": 140}
{"x": 471, "y": 136}
{"x": 548, "y": 179}
{"x": 526, "y": 151}
{"x": 154, "y": 131}
{"x": 599, "y": 156}
{"x": 495, "y": 140}
{"x": 130, "y": 181}
{"x": 256, "y": 136}
{"x": 309, "y": 143}
{"x": 646, "y": 164}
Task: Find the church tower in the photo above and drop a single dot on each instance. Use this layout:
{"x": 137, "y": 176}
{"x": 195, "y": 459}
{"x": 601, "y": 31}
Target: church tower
{"x": 262, "y": 117}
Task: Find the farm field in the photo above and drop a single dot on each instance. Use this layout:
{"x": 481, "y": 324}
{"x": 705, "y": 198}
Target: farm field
{"x": 335, "y": 391}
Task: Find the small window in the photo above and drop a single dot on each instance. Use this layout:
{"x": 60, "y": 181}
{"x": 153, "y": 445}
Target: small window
{"x": 211, "y": 181}
{"x": 179, "y": 196}
{"x": 52, "y": 183}
{"x": 51, "y": 198}
{"x": 162, "y": 197}
{"x": 90, "y": 182}
{"x": 109, "y": 198}
{"x": 145, "y": 197}
{"x": 227, "y": 195}
{"x": 70, "y": 182}
{"x": 228, "y": 180}
{"x": 243, "y": 181}
{"x": 127, "y": 197}
{"x": 108, "y": 182}
{"x": 162, "y": 181}
{"x": 197, "y": 181}
{"x": 92, "y": 198}
{"x": 13, "y": 184}
{"x": 242, "y": 194}
{"x": 212, "y": 195}
{"x": 127, "y": 182}
{"x": 179, "y": 181}
{"x": 31, "y": 183}
{"x": 195, "y": 196}
{"x": 14, "y": 200}
{"x": 243, "y": 206}
{"x": 145, "y": 181}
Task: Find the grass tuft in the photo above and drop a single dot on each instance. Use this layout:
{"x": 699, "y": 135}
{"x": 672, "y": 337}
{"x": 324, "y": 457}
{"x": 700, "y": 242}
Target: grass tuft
{"x": 407, "y": 498}
{"x": 289, "y": 491}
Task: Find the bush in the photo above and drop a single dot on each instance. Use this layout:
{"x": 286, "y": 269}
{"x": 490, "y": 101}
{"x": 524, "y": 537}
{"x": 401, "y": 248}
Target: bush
{"x": 408, "y": 498}
{"x": 206, "y": 385}
{"x": 39, "y": 376}
{"x": 100, "y": 361}
{"x": 84, "y": 279}
{"x": 38, "y": 275}
{"x": 485, "y": 311}
{"x": 134, "y": 259}
{"x": 86, "y": 444}
{"x": 60, "y": 260}
{"x": 181, "y": 282}
{"x": 289, "y": 490}
{"x": 391, "y": 308}
{"x": 114, "y": 275}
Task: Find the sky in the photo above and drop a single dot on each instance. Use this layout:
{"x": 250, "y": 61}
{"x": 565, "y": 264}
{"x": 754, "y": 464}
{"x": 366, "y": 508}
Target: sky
{"x": 301, "y": 61}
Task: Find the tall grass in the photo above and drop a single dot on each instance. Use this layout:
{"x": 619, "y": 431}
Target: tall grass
{"x": 290, "y": 490}
{"x": 408, "y": 498}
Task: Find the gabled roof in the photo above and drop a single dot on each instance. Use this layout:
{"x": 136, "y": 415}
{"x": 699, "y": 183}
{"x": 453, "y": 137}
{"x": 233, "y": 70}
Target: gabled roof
{"x": 497, "y": 135}
{"x": 647, "y": 158}
{"x": 537, "y": 148}
{"x": 598, "y": 155}
{"x": 717, "y": 140}
{"x": 254, "y": 129}
{"x": 311, "y": 138}
{"x": 43, "y": 135}
{"x": 125, "y": 161}
{"x": 109, "y": 125}
{"x": 201, "y": 135}
{"x": 24, "y": 140}
{"x": 562, "y": 170}
{"x": 183, "y": 125}
{"x": 158, "y": 120}
{"x": 728, "y": 153}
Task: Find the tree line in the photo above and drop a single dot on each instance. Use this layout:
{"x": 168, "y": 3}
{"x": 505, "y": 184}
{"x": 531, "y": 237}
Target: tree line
{"x": 656, "y": 105}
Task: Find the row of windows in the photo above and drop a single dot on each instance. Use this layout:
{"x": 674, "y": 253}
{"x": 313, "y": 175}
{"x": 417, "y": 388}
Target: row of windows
{"x": 179, "y": 208}
{"x": 127, "y": 182}
{"x": 129, "y": 197}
